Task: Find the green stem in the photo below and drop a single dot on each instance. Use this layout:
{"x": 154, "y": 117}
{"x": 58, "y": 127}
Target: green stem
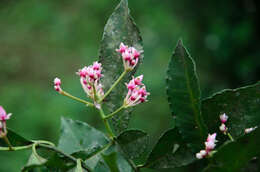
{"x": 113, "y": 86}
{"x": 109, "y": 130}
{"x": 76, "y": 98}
{"x": 43, "y": 142}
{"x": 115, "y": 112}
{"x": 8, "y": 143}
{"x": 230, "y": 137}
{"x": 16, "y": 148}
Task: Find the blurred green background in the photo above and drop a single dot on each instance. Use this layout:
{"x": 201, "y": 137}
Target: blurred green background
{"x": 40, "y": 40}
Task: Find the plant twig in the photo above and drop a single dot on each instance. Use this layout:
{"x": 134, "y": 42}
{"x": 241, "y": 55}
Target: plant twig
{"x": 113, "y": 86}
{"x": 115, "y": 112}
{"x": 76, "y": 98}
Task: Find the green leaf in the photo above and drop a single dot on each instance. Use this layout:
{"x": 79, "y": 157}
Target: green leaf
{"x": 79, "y": 138}
{"x": 184, "y": 97}
{"x": 109, "y": 160}
{"x": 232, "y": 156}
{"x": 15, "y": 140}
{"x": 242, "y": 105}
{"x": 169, "y": 152}
{"x": 34, "y": 161}
{"x": 120, "y": 27}
{"x": 133, "y": 143}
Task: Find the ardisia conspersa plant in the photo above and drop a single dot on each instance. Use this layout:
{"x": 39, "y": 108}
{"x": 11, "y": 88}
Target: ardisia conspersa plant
{"x": 216, "y": 134}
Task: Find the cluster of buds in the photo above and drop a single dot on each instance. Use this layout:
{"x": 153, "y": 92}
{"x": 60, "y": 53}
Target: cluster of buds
{"x": 249, "y": 130}
{"x": 209, "y": 146}
{"x": 223, "y": 118}
{"x": 57, "y": 84}
{"x": 130, "y": 56}
{"x": 90, "y": 80}
{"x": 136, "y": 92}
{"x": 3, "y": 118}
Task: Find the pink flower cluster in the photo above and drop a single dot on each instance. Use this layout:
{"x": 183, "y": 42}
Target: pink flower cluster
{"x": 3, "y": 117}
{"x": 136, "y": 92}
{"x": 223, "y": 118}
{"x": 130, "y": 56}
{"x": 90, "y": 80}
{"x": 57, "y": 84}
{"x": 209, "y": 146}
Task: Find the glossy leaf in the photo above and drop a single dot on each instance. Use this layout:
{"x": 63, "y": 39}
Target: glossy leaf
{"x": 78, "y": 136}
{"x": 120, "y": 27}
{"x": 133, "y": 143}
{"x": 242, "y": 105}
{"x": 232, "y": 156}
{"x": 184, "y": 97}
{"x": 15, "y": 140}
{"x": 169, "y": 152}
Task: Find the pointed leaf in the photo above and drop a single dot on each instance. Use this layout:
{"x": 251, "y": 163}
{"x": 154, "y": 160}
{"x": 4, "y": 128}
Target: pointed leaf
{"x": 242, "y": 105}
{"x": 169, "y": 152}
{"x": 120, "y": 27}
{"x": 184, "y": 97}
{"x": 232, "y": 156}
{"x": 133, "y": 143}
{"x": 34, "y": 161}
{"x": 78, "y": 136}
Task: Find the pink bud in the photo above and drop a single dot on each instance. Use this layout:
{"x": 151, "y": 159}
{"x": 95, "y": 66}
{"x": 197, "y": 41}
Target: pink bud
{"x": 199, "y": 156}
{"x": 57, "y": 81}
{"x": 122, "y": 48}
{"x": 223, "y": 118}
{"x": 249, "y": 130}
{"x": 3, "y": 115}
{"x": 138, "y": 80}
{"x": 223, "y": 128}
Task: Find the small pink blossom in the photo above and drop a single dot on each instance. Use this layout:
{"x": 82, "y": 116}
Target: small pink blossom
{"x": 122, "y": 48}
{"x": 3, "y": 115}
{"x": 136, "y": 94}
{"x": 130, "y": 56}
{"x": 223, "y": 118}
{"x": 209, "y": 146}
{"x": 223, "y": 128}
{"x": 90, "y": 79}
{"x": 57, "y": 84}
{"x": 249, "y": 130}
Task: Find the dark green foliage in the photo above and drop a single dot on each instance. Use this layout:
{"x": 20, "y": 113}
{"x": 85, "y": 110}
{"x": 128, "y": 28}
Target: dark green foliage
{"x": 184, "y": 97}
{"x": 120, "y": 27}
{"x": 133, "y": 143}
{"x": 232, "y": 156}
{"x": 170, "y": 152}
{"x": 242, "y": 105}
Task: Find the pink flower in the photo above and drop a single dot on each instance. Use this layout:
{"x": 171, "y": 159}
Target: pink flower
{"x": 223, "y": 118}
{"x": 57, "y": 84}
{"x": 122, "y": 48}
{"x": 209, "y": 146}
{"x": 136, "y": 94}
{"x": 3, "y": 115}
{"x": 130, "y": 56}
{"x": 90, "y": 79}
{"x": 223, "y": 128}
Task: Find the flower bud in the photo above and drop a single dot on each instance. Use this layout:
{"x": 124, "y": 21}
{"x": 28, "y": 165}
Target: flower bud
{"x": 199, "y": 156}
{"x": 129, "y": 55}
{"x": 249, "y": 130}
{"x": 223, "y": 118}
{"x": 57, "y": 84}
{"x": 223, "y": 128}
{"x": 3, "y": 115}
